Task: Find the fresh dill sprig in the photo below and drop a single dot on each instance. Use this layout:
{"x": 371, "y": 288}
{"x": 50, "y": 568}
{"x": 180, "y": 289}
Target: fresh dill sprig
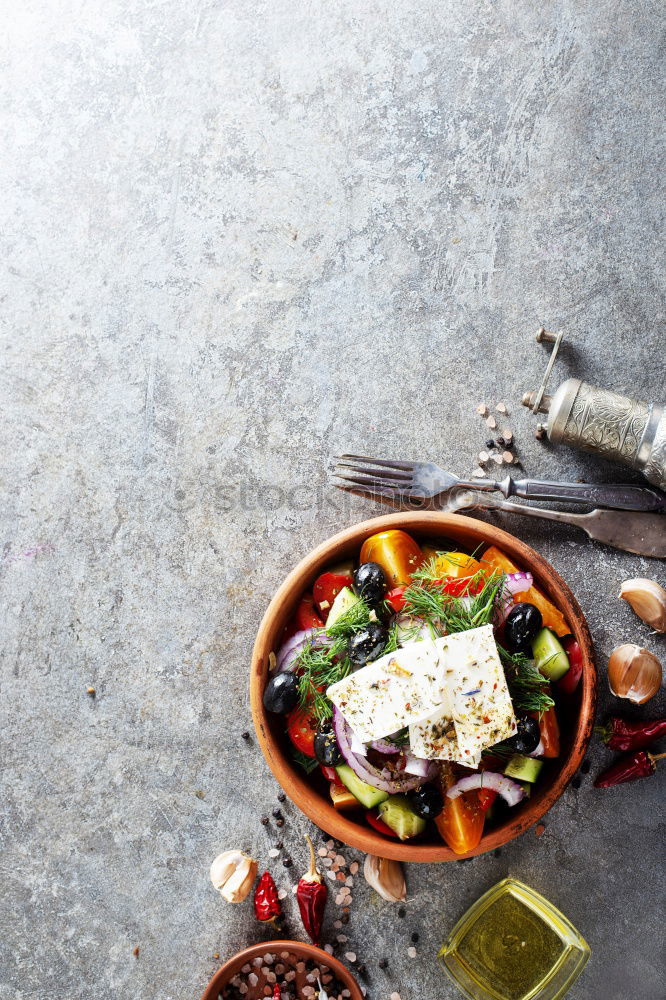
{"x": 427, "y": 572}
{"x": 393, "y": 639}
{"x": 528, "y": 688}
{"x": 318, "y": 669}
{"x": 307, "y": 763}
{"x": 450, "y": 613}
{"x": 353, "y": 620}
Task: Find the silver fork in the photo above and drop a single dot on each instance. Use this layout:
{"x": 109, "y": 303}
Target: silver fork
{"x": 414, "y": 481}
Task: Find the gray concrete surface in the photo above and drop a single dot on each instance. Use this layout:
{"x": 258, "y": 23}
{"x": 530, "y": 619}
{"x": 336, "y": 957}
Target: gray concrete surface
{"x": 237, "y": 237}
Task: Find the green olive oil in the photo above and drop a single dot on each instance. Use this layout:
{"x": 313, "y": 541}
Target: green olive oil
{"x": 513, "y": 945}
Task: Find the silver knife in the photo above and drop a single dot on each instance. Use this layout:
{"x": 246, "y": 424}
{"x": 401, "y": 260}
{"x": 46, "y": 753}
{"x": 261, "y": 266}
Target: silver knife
{"x": 642, "y": 534}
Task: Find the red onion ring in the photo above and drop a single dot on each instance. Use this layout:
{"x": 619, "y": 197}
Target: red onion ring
{"x": 364, "y": 769}
{"x": 383, "y": 746}
{"x": 514, "y": 583}
{"x": 510, "y": 790}
{"x": 293, "y": 647}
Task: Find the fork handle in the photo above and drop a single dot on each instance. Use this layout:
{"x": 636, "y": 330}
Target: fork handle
{"x": 620, "y": 496}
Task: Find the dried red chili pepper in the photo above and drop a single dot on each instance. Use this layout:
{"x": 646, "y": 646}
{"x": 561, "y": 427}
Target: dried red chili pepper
{"x": 311, "y": 895}
{"x": 277, "y": 995}
{"x": 266, "y": 903}
{"x": 628, "y": 768}
{"x": 630, "y": 734}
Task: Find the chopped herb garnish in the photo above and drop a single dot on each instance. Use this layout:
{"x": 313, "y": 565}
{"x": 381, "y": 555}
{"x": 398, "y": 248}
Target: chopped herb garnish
{"x": 353, "y": 620}
{"x": 307, "y": 763}
{"x": 528, "y": 688}
{"x": 446, "y": 613}
{"x": 318, "y": 669}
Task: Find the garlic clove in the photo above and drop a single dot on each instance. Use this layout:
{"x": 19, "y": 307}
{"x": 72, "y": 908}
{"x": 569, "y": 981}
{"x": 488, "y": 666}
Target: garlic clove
{"x": 232, "y": 873}
{"x": 648, "y": 600}
{"x": 236, "y": 889}
{"x": 634, "y": 673}
{"x": 385, "y": 877}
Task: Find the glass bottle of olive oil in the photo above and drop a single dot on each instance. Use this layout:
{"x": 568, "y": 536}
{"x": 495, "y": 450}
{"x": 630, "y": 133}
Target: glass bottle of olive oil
{"x": 512, "y": 944}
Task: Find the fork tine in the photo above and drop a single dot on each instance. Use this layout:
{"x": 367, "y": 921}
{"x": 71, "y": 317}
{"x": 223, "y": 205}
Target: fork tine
{"x": 365, "y": 471}
{"x": 387, "y": 463}
{"x": 376, "y": 481}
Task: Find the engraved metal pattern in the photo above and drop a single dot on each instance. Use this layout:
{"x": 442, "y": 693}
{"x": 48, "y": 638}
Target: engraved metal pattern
{"x": 606, "y": 423}
{"x": 655, "y": 467}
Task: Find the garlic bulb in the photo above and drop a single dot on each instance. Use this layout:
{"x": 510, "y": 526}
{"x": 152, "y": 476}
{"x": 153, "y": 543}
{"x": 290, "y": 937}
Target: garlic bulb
{"x": 648, "y": 599}
{"x": 634, "y": 673}
{"x": 385, "y": 877}
{"x": 233, "y": 873}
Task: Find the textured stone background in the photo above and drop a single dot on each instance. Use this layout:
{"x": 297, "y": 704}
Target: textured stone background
{"x": 237, "y": 237}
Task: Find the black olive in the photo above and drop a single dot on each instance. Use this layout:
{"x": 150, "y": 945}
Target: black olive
{"x": 326, "y": 747}
{"x": 426, "y": 801}
{"x": 368, "y": 644}
{"x": 521, "y": 625}
{"x": 281, "y": 693}
{"x": 370, "y": 582}
{"x": 527, "y": 736}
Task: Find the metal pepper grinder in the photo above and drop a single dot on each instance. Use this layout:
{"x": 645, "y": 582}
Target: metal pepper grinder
{"x": 625, "y": 430}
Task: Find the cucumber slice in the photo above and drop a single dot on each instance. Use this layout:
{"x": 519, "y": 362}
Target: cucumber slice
{"x": 345, "y": 600}
{"x": 523, "y": 768}
{"x": 366, "y": 794}
{"x": 549, "y": 656}
{"x": 397, "y": 813}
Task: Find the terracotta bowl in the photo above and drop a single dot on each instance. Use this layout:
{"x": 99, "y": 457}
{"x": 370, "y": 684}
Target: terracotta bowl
{"x": 310, "y": 793}
{"x": 227, "y": 971}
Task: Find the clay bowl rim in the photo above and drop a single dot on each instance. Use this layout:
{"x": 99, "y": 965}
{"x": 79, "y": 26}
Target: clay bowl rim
{"x": 300, "y": 948}
{"x": 335, "y": 549}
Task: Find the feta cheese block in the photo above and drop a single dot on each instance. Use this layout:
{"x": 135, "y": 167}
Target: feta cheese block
{"x": 399, "y": 688}
{"x": 477, "y": 712}
{"x": 435, "y": 738}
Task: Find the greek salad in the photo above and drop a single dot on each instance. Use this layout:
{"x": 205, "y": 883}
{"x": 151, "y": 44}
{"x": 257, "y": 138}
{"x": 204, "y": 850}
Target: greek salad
{"x": 422, "y": 686}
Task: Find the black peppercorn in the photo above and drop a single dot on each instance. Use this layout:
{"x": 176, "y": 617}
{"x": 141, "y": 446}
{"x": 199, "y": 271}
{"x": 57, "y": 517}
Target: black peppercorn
{"x": 277, "y": 812}
{"x": 501, "y": 442}
{"x": 279, "y": 845}
{"x": 281, "y": 797}
{"x": 245, "y": 735}
{"x": 402, "y": 912}
{"x": 287, "y": 862}
{"x": 264, "y": 820}
{"x": 279, "y": 822}
{"x": 383, "y": 963}
{"x": 490, "y": 443}
{"x": 415, "y": 937}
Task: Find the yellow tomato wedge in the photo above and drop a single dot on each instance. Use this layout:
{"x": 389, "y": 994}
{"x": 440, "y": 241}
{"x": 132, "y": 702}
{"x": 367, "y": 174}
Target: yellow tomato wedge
{"x": 456, "y": 565}
{"x": 494, "y": 558}
{"x": 398, "y": 554}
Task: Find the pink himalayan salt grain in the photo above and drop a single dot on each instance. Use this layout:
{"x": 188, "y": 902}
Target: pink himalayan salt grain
{"x": 353, "y": 868}
{"x": 350, "y": 956}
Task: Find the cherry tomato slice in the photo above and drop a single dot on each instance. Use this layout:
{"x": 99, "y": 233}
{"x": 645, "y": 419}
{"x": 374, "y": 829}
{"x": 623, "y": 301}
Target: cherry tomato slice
{"x": 550, "y": 732}
{"x": 396, "y": 598}
{"x": 306, "y": 616}
{"x": 326, "y": 589}
{"x": 463, "y": 586}
{"x": 486, "y": 797}
{"x": 396, "y": 552}
{"x": 461, "y": 821}
{"x": 570, "y": 681}
{"x": 331, "y": 775}
{"x": 301, "y": 729}
{"x": 379, "y": 825}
